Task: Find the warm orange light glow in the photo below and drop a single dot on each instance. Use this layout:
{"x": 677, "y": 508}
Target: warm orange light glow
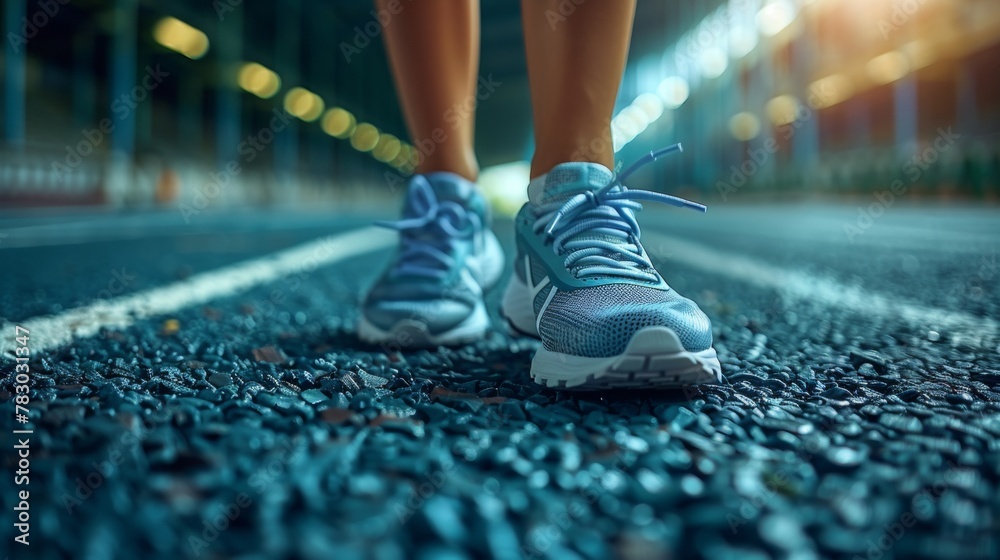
{"x": 259, "y": 80}
{"x": 181, "y": 37}
{"x": 887, "y": 67}
{"x": 338, "y": 122}
{"x": 782, "y": 109}
{"x": 387, "y": 149}
{"x": 775, "y": 16}
{"x": 365, "y": 137}
{"x": 829, "y": 91}
{"x": 304, "y": 104}
{"x": 744, "y": 126}
{"x": 673, "y": 91}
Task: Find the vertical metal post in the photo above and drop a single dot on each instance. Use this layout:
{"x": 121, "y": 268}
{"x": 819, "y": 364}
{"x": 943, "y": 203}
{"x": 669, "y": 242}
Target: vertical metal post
{"x": 14, "y": 72}
{"x": 120, "y": 103}
{"x": 805, "y": 142}
{"x": 762, "y": 81}
{"x": 123, "y": 77}
{"x": 229, "y": 41}
{"x": 905, "y": 115}
{"x": 965, "y": 112}
{"x": 286, "y": 145}
{"x": 83, "y": 79}
{"x": 143, "y": 109}
{"x": 733, "y": 102}
{"x": 190, "y": 113}
{"x": 320, "y": 149}
{"x": 971, "y": 175}
{"x": 859, "y": 123}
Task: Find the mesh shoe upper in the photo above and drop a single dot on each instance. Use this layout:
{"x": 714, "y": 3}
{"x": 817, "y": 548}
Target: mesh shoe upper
{"x": 600, "y": 321}
{"x": 606, "y": 288}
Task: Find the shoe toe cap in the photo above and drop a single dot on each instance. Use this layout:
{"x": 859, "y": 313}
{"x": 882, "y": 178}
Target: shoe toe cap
{"x": 688, "y": 322}
{"x": 605, "y": 329}
{"x": 437, "y": 315}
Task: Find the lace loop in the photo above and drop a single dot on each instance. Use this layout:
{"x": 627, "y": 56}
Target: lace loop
{"x": 429, "y": 235}
{"x": 611, "y": 245}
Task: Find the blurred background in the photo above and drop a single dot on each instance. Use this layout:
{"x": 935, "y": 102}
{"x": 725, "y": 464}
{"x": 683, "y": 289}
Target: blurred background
{"x": 185, "y": 194}
{"x": 144, "y": 103}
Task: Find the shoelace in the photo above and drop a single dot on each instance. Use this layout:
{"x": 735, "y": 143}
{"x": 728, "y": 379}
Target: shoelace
{"x": 428, "y": 237}
{"x": 607, "y": 212}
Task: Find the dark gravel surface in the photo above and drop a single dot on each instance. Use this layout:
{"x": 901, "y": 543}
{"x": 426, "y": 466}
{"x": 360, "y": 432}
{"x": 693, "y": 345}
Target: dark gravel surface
{"x": 258, "y": 427}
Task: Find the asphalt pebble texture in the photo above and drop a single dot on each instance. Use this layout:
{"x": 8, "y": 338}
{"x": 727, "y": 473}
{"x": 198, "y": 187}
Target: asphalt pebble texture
{"x": 257, "y": 426}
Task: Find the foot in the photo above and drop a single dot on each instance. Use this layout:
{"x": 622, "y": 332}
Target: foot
{"x": 584, "y": 285}
{"x": 431, "y": 294}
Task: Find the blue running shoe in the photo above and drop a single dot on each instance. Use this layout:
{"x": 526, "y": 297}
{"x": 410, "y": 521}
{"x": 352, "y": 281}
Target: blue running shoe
{"x": 584, "y": 285}
{"x": 432, "y": 292}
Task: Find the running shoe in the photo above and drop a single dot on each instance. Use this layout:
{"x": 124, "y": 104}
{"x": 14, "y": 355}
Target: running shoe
{"x": 585, "y": 286}
{"x": 431, "y": 294}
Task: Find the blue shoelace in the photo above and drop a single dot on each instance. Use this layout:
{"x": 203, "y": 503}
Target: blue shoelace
{"x": 430, "y": 232}
{"x": 610, "y": 247}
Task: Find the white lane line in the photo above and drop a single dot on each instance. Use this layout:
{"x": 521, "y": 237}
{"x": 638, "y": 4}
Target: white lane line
{"x": 959, "y": 326}
{"x": 52, "y": 331}
{"x": 828, "y": 230}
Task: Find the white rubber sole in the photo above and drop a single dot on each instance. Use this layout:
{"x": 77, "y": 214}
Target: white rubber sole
{"x": 654, "y": 358}
{"x": 411, "y": 333}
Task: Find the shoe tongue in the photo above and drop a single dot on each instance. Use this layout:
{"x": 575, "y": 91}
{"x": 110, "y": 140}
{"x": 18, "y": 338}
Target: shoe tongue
{"x": 568, "y": 179}
{"x": 450, "y": 187}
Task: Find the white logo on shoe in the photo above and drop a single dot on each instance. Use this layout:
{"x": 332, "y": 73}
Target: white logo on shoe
{"x": 535, "y": 289}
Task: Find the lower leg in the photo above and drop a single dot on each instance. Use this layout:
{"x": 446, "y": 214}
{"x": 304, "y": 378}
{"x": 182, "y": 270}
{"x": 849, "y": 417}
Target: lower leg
{"x": 575, "y": 64}
{"x": 434, "y": 54}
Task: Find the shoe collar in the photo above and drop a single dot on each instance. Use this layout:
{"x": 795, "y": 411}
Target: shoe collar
{"x": 567, "y": 179}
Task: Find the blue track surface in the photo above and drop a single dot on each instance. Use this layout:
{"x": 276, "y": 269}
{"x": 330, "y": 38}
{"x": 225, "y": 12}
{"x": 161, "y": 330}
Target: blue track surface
{"x": 256, "y": 426}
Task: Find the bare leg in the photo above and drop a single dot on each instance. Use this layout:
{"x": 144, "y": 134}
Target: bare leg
{"x": 575, "y": 64}
{"x": 434, "y": 53}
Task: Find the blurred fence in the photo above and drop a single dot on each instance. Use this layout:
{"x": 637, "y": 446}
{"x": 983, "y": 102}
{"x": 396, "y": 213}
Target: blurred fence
{"x": 27, "y": 178}
{"x": 144, "y": 102}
